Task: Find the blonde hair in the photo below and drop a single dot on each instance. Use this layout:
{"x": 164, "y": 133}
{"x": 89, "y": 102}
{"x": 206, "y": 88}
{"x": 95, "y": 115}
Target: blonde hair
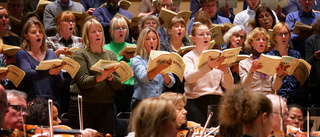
{"x": 85, "y": 37}
{"x": 116, "y": 22}
{"x": 25, "y": 43}
{"x": 278, "y": 26}
{"x": 195, "y": 26}
{"x": 150, "y": 116}
{"x": 62, "y": 16}
{"x": 141, "y": 50}
{"x": 254, "y": 33}
{"x": 174, "y": 97}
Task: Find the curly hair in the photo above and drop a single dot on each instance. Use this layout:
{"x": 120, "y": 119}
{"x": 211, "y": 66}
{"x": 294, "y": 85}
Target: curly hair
{"x": 38, "y": 112}
{"x": 241, "y": 105}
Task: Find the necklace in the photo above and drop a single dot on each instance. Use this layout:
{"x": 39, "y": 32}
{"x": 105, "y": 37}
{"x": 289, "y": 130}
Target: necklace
{"x": 40, "y": 58}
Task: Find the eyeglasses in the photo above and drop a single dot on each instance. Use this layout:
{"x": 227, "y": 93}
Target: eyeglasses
{"x": 295, "y": 117}
{"x": 4, "y": 16}
{"x": 119, "y": 29}
{"x": 267, "y": 15}
{"x": 18, "y": 108}
{"x": 68, "y": 21}
{"x": 150, "y": 23}
{"x": 204, "y": 35}
{"x": 281, "y": 34}
{"x": 238, "y": 36}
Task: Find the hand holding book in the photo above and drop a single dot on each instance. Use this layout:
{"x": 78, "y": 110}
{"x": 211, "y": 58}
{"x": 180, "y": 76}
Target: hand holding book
{"x": 281, "y": 70}
{"x": 54, "y": 70}
{"x": 213, "y": 63}
{"x": 255, "y": 65}
{"x": 106, "y": 74}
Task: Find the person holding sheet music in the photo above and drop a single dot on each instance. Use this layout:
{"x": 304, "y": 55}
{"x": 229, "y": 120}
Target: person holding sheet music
{"x": 149, "y": 84}
{"x": 7, "y": 37}
{"x": 257, "y": 42}
{"x": 204, "y": 85}
{"x": 97, "y": 89}
{"x": 176, "y": 30}
{"x": 60, "y": 44}
{"x": 313, "y": 57}
{"x": 290, "y": 88}
{"x": 306, "y": 16}
{"x": 251, "y": 109}
{"x": 36, "y": 83}
{"x": 234, "y": 38}
{"x": 210, "y": 7}
{"x": 119, "y": 31}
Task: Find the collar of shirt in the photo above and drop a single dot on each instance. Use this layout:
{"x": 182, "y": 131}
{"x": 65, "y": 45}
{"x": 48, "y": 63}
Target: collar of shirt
{"x": 64, "y": 41}
{"x": 304, "y": 14}
{"x": 215, "y": 19}
{"x": 64, "y": 5}
{"x": 250, "y": 11}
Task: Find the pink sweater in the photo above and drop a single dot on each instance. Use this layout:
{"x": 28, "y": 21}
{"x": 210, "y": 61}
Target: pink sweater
{"x": 203, "y": 81}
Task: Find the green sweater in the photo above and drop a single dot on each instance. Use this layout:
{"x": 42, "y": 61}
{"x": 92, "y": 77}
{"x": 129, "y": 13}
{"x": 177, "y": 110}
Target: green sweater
{"x": 116, "y": 47}
{"x": 84, "y": 83}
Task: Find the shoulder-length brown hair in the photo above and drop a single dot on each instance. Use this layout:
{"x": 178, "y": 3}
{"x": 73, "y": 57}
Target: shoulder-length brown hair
{"x": 25, "y": 43}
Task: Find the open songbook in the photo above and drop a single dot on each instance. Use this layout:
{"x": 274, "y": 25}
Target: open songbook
{"x": 300, "y": 27}
{"x": 128, "y": 49}
{"x": 272, "y": 4}
{"x": 134, "y": 21}
{"x": 229, "y": 54}
{"x": 239, "y": 58}
{"x": 71, "y": 66}
{"x": 184, "y": 50}
{"x": 177, "y": 67}
{"x": 15, "y": 74}
{"x": 298, "y": 67}
{"x": 216, "y": 34}
{"x": 42, "y": 5}
{"x": 9, "y": 49}
{"x": 166, "y": 16}
{"x": 124, "y": 4}
{"x": 124, "y": 70}
{"x": 80, "y": 17}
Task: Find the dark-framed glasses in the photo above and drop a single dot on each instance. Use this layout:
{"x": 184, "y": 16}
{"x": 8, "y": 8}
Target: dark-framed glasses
{"x": 18, "y": 108}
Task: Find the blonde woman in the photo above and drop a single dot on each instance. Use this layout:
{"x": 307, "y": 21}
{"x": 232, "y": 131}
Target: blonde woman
{"x": 149, "y": 84}
{"x": 290, "y": 88}
{"x": 119, "y": 31}
{"x": 36, "y": 83}
{"x": 257, "y": 42}
{"x": 204, "y": 85}
{"x": 154, "y": 117}
{"x": 97, "y": 89}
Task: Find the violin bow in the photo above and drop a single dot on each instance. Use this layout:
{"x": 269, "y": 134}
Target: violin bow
{"x": 205, "y": 126}
{"x": 80, "y": 111}
{"x": 50, "y": 117}
{"x": 308, "y": 122}
{"x": 280, "y": 115}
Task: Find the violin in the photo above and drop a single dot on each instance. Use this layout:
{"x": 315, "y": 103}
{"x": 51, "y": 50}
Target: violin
{"x": 298, "y": 133}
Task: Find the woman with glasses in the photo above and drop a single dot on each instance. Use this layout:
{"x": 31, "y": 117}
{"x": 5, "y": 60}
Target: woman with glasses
{"x": 37, "y": 83}
{"x": 265, "y": 18}
{"x": 119, "y": 31}
{"x": 234, "y": 38}
{"x": 203, "y": 85}
{"x": 60, "y": 44}
{"x": 290, "y": 88}
{"x": 64, "y": 39}
{"x": 150, "y": 21}
{"x": 97, "y": 88}
{"x": 257, "y": 42}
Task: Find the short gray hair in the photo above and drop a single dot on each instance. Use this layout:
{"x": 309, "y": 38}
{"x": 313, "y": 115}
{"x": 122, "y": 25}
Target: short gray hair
{"x": 158, "y": 1}
{"x": 16, "y": 93}
{"x": 148, "y": 17}
{"x": 230, "y": 32}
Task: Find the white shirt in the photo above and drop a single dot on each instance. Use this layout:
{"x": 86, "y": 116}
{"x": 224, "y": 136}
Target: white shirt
{"x": 243, "y": 18}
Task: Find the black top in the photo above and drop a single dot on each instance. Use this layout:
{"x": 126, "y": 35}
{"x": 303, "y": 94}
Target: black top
{"x": 11, "y": 40}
